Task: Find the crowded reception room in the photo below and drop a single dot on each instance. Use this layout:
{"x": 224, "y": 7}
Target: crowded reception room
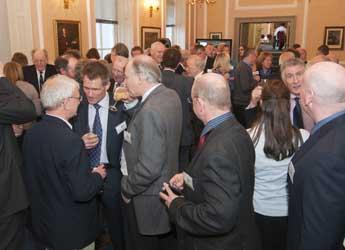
{"x": 172, "y": 125}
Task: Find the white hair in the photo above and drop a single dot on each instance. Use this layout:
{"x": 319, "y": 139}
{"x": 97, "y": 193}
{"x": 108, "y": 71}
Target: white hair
{"x": 146, "y": 69}
{"x": 197, "y": 61}
{"x": 56, "y": 89}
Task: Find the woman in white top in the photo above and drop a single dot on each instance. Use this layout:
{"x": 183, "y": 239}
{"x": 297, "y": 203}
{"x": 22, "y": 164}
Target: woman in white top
{"x": 275, "y": 140}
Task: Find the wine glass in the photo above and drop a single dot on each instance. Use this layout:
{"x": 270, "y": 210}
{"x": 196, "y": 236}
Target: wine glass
{"x": 120, "y": 93}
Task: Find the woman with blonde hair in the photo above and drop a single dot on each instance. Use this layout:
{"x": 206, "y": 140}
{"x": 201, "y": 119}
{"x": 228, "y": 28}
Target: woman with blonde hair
{"x": 223, "y": 67}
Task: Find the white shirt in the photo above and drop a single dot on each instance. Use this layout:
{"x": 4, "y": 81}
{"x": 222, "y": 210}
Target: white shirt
{"x": 62, "y": 119}
{"x": 103, "y": 115}
{"x": 270, "y": 190}
{"x": 280, "y": 28}
{"x": 38, "y": 77}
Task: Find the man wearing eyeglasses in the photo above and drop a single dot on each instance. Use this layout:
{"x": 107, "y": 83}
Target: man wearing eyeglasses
{"x": 61, "y": 185}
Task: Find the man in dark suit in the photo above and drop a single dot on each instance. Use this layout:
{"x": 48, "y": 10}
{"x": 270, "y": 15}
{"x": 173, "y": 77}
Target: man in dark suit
{"x": 201, "y": 52}
{"x": 245, "y": 82}
{"x": 15, "y": 108}
{"x": 95, "y": 85}
{"x": 183, "y": 86}
{"x": 216, "y": 209}
{"x": 40, "y": 71}
{"x": 151, "y": 146}
{"x": 61, "y": 186}
{"x": 317, "y": 171}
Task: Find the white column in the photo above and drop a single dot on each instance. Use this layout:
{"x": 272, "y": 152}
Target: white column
{"x": 125, "y": 13}
{"x": 180, "y": 28}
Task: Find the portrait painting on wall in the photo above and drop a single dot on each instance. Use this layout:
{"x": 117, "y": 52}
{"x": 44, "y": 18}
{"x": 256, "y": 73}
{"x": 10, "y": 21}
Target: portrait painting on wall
{"x": 149, "y": 35}
{"x": 334, "y": 37}
{"x": 67, "y": 36}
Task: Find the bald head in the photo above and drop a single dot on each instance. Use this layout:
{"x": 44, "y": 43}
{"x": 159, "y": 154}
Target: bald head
{"x": 327, "y": 81}
{"x": 213, "y": 89}
{"x": 40, "y": 59}
{"x": 157, "y": 49}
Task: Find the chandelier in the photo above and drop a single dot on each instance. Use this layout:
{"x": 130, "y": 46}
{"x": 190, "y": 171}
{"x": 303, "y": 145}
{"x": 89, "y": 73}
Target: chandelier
{"x": 193, "y": 2}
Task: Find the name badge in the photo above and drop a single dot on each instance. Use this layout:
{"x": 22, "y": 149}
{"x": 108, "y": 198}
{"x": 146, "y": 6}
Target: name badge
{"x": 120, "y": 128}
{"x": 291, "y": 171}
{"x": 188, "y": 180}
{"x": 127, "y": 137}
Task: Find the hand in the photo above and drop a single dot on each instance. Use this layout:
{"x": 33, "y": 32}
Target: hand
{"x": 257, "y": 78}
{"x": 125, "y": 199}
{"x": 256, "y": 96}
{"x": 90, "y": 140}
{"x": 100, "y": 169}
{"x": 177, "y": 181}
{"x": 169, "y": 196}
{"x": 18, "y": 129}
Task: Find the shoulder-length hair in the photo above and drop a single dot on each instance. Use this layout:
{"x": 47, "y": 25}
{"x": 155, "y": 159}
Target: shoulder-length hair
{"x": 282, "y": 139}
{"x": 13, "y": 72}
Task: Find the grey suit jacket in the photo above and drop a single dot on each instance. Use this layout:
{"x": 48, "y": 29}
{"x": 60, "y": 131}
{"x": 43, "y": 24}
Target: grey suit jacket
{"x": 151, "y": 154}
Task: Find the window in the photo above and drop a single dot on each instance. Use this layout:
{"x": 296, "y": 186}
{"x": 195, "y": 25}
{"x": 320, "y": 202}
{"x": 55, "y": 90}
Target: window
{"x": 170, "y": 20}
{"x": 106, "y": 31}
{"x": 106, "y": 25}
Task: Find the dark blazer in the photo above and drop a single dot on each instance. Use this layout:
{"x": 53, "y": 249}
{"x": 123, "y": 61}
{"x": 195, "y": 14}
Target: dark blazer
{"x": 179, "y": 69}
{"x": 151, "y": 152}
{"x": 183, "y": 86}
{"x": 244, "y": 84}
{"x": 317, "y": 190}
{"x": 218, "y": 214}
{"x": 209, "y": 64}
{"x": 114, "y": 140}
{"x": 15, "y": 108}
{"x": 60, "y": 185}
{"x": 30, "y": 74}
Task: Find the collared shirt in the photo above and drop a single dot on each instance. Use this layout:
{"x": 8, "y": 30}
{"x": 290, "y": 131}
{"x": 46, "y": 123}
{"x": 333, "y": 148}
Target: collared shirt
{"x": 148, "y": 92}
{"x": 215, "y": 122}
{"x": 38, "y": 75}
{"x": 103, "y": 115}
{"x": 326, "y": 120}
{"x": 62, "y": 119}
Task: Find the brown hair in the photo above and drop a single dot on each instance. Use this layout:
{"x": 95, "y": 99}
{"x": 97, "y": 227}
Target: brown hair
{"x": 96, "y": 69}
{"x": 93, "y": 54}
{"x": 20, "y": 58}
{"x": 281, "y": 138}
{"x": 13, "y": 72}
{"x": 261, "y": 58}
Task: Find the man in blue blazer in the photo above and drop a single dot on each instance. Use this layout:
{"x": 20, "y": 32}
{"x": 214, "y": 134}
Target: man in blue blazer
{"x": 95, "y": 87}
{"x": 317, "y": 171}
{"x": 60, "y": 185}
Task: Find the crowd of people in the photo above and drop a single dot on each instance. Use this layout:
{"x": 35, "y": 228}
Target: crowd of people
{"x": 166, "y": 148}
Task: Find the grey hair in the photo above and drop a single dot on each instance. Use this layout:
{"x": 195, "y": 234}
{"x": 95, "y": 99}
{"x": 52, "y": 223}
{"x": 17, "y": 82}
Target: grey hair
{"x": 45, "y": 52}
{"x": 56, "y": 89}
{"x": 146, "y": 69}
{"x": 285, "y": 56}
{"x": 214, "y": 89}
{"x": 290, "y": 63}
{"x": 198, "y": 62}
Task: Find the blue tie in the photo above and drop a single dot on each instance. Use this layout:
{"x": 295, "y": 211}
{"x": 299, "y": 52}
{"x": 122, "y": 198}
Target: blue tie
{"x": 297, "y": 115}
{"x": 95, "y": 153}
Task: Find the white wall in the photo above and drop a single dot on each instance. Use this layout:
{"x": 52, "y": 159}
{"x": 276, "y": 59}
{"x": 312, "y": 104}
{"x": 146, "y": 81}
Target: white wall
{"x": 5, "y": 50}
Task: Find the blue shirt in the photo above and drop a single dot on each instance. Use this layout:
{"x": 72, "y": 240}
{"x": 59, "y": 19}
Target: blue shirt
{"x": 215, "y": 122}
{"x": 326, "y": 120}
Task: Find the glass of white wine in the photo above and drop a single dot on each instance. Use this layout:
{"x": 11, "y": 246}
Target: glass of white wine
{"x": 120, "y": 94}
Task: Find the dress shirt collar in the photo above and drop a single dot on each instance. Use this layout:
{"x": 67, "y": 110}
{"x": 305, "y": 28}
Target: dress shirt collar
{"x": 149, "y": 91}
{"x": 326, "y": 120}
{"x": 215, "y": 122}
{"x": 104, "y": 103}
{"x": 62, "y": 119}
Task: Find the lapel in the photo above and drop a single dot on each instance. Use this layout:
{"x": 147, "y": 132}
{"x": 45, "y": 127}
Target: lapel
{"x": 114, "y": 118}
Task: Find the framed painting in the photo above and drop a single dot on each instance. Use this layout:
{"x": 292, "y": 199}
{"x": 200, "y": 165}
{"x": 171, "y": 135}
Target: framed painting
{"x": 334, "y": 37}
{"x": 216, "y": 35}
{"x": 149, "y": 35}
{"x": 67, "y": 36}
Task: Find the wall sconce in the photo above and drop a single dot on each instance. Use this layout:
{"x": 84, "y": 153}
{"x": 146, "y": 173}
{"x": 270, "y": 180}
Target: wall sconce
{"x": 152, "y": 4}
{"x": 66, "y": 3}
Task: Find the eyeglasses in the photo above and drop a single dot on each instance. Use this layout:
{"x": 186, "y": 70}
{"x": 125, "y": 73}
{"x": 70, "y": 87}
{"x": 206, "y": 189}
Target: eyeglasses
{"x": 79, "y": 98}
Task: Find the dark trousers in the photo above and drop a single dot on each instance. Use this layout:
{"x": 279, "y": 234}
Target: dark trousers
{"x": 136, "y": 241}
{"x": 12, "y": 231}
{"x": 273, "y": 231}
{"x": 113, "y": 216}
{"x": 238, "y": 111}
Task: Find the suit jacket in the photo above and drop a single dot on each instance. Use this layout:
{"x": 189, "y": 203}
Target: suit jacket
{"x": 244, "y": 84}
{"x": 30, "y": 74}
{"x": 114, "y": 141}
{"x": 209, "y": 64}
{"x": 15, "y": 108}
{"x": 316, "y": 187}
{"x": 60, "y": 185}
{"x": 151, "y": 153}
{"x": 183, "y": 86}
{"x": 218, "y": 213}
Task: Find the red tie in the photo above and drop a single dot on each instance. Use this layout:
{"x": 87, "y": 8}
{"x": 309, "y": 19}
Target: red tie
{"x": 202, "y": 141}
